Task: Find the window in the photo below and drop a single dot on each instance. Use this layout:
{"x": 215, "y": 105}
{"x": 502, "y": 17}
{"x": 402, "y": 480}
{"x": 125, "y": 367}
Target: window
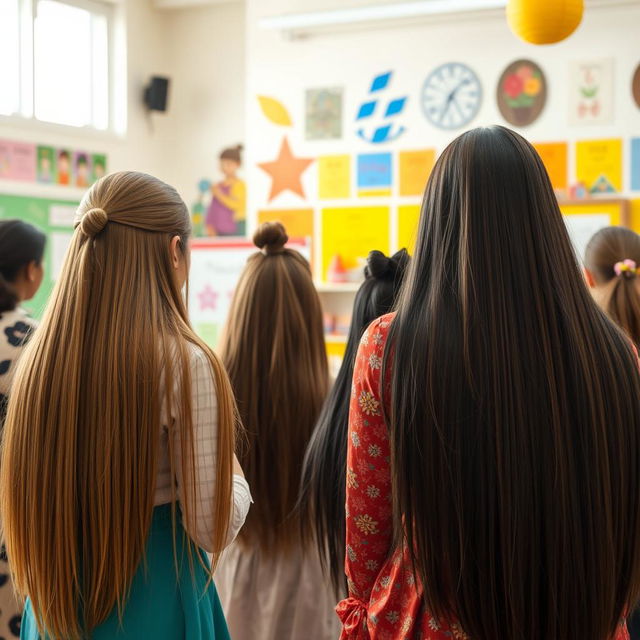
{"x": 58, "y": 53}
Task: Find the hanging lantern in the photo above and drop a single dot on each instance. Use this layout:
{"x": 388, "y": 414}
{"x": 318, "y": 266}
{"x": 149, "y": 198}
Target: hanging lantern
{"x": 544, "y": 21}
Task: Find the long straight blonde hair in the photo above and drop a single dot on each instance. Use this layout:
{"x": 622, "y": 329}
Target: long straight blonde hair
{"x": 79, "y": 459}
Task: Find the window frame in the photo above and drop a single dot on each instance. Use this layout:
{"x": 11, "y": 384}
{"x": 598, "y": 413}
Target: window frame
{"x": 25, "y": 114}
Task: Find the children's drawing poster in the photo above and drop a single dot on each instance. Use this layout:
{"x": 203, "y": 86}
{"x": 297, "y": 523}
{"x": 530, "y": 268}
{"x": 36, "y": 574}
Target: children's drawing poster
{"x": 591, "y": 92}
{"x": 599, "y": 165}
{"x": 323, "y": 111}
{"x": 17, "y": 160}
{"x": 46, "y": 164}
{"x": 408, "y": 216}
{"x": 334, "y": 177}
{"x": 99, "y": 166}
{"x": 555, "y": 158}
{"x": 216, "y": 266}
{"x": 375, "y": 174}
{"x": 350, "y": 233}
{"x": 415, "y": 168}
{"x": 635, "y": 164}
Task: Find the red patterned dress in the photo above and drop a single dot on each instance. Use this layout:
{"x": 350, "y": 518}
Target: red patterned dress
{"x": 384, "y": 602}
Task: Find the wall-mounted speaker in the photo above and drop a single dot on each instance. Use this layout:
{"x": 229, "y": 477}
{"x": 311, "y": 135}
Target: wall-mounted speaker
{"x": 155, "y": 95}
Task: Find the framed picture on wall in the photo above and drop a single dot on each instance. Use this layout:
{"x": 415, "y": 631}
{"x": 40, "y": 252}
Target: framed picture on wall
{"x": 591, "y": 92}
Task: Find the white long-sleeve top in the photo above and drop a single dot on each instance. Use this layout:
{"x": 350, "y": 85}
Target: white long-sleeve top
{"x": 205, "y": 431}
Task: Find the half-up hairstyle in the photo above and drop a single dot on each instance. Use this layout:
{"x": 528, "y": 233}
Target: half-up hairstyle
{"x": 20, "y": 245}
{"x": 613, "y": 259}
{"x": 323, "y": 485}
{"x": 274, "y": 351}
{"x": 78, "y": 469}
{"x": 514, "y": 413}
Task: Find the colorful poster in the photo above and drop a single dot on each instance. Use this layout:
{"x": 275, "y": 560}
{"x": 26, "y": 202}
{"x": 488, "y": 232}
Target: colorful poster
{"x": 350, "y": 233}
{"x": 555, "y": 158}
{"x": 63, "y": 166}
{"x": 323, "y": 110}
{"x": 216, "y": 266}
{"x": 5, "y": 158}
{"x": 591, "y": 92}
{"x": 599, "y": 165}
{"x": 408, "y": 216}
{"x": 635, "y": 164}
{"x": 99, "y": 165}
{"x": 415, "y": 169}
{"x": 82, "y": 168}
{"x": 375, "y": 174}
{"x": 334, "y": 177}
{"x": 46, "y": 164}
{"x": 22, "y": 161}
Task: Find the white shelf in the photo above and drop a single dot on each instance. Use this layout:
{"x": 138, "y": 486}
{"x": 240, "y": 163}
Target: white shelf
{"x": 337, "y": 287}
{"x": 333, "y": 338}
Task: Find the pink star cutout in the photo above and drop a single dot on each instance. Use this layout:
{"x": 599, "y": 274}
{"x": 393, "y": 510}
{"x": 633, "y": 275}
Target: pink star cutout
{"x": 208, "y": 298}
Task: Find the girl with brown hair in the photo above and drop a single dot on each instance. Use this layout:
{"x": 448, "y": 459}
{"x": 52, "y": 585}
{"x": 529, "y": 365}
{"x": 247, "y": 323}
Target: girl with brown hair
{"x": 612, "y": 265}
{"x": 493, "y": 459}
{"x": 273, "y": 348}
{"x": 118, "y": 460}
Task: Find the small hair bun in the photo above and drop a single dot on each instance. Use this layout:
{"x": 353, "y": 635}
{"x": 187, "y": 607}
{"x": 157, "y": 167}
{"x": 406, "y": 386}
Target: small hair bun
{"x": 271, "y": 237}
{"x": 240, "y": 147}
{"x": 93, "y": 221}
{"x": 380, "y": 266}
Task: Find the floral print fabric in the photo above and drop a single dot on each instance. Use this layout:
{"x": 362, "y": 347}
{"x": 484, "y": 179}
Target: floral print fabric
{"x": 385, "y": 601}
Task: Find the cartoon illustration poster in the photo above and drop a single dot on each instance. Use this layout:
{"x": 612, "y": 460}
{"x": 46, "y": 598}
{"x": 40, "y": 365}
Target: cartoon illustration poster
{"x": 82, "y": 168}
{"x": 591, "y": 92}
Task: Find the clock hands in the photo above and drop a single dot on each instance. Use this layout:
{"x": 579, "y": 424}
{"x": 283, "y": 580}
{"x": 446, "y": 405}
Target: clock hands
{"x": 451, "y": 99}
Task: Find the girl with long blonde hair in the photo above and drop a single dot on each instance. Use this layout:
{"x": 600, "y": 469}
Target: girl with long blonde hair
{"x": 118, "y": 465}
{"x": 271, "y": 584}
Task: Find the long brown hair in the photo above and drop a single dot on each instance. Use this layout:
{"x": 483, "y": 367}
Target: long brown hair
{"x": 621, "y": 292}
{"x": 274, "y": 351}
{"x": 514, "y": 414}
{"x": 78, "y": 469}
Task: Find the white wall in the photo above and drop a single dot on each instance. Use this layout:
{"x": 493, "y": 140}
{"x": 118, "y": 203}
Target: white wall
{"x": 285, "y": 68}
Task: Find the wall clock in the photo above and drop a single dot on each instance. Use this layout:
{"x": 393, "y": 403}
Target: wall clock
{"x": 635, "y": 86}
{"x": 451, "y": 96}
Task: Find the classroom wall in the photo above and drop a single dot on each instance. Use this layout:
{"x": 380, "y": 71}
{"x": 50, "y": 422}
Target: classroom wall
{"x": 283, "y": 68}
{"x": 202, "y": 50}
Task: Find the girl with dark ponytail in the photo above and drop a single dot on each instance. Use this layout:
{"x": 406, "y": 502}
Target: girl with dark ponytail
{"x": 612, "y": 266}
{"x": 21, "y": 251}
{"x": 324, "y": 472}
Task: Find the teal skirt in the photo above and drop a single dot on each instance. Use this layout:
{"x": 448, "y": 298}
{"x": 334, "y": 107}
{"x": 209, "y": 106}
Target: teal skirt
{"x": 161, "y": 605}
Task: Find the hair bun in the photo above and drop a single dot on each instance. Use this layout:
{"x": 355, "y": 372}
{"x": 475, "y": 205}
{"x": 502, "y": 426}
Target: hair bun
{"x": 93, "y": 221}
{"x": 240, "y": 147}
{"x": 271, "y": 237}
{"x": 380, "y": 266}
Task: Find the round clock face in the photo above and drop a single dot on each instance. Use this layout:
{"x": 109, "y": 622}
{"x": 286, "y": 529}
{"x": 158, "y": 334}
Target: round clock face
{"x": 451, "y": 96}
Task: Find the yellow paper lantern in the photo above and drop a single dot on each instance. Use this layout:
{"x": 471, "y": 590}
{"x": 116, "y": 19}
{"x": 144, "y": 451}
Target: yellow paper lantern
{"x": 544, "y": 21}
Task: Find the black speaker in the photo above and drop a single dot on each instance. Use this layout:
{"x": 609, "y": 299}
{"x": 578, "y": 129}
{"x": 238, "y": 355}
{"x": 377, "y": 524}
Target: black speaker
{"x": 155, "y": 95}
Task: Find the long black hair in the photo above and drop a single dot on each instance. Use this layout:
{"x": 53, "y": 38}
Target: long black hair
{"x": 20, "y": 245}
{"x": 324, "y": 473}
{"x": 514, "y": 412}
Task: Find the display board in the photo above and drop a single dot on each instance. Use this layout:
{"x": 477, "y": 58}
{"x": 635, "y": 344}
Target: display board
{"x": 53, "y": 217}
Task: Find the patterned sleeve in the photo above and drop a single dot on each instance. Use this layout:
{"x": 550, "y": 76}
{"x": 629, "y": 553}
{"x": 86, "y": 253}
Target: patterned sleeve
{"x": 205, "y": 428}
{"x": 368, "y": 500}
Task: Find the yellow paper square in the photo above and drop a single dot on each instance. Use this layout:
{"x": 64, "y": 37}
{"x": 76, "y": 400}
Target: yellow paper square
{"x": 555, "y": 158}
{"x": 599, "y": 160}
{"x": 408, "y": 216}
{"x": 351, "y": 233}
{"x": 415, "y": 169}
{"x": 334, "y": 177}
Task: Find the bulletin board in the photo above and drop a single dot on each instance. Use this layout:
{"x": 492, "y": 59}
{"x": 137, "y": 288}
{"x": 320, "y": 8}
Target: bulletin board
{"x": 585, "y": 217}
{"x": 55, "y": 219}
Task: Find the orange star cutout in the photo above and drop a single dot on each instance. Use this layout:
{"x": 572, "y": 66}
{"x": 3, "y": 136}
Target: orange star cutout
{"x": 286, "y": 171}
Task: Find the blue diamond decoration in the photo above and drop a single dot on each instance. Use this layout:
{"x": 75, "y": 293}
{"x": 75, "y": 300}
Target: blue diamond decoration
{"x": 366, "y": 109}
{"x": 395, "y": 106}
{"x": 381, "y": 134}
{"x": 380, "y": 82}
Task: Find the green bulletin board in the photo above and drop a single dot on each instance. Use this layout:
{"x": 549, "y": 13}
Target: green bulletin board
{"x": 53, "y": 217}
